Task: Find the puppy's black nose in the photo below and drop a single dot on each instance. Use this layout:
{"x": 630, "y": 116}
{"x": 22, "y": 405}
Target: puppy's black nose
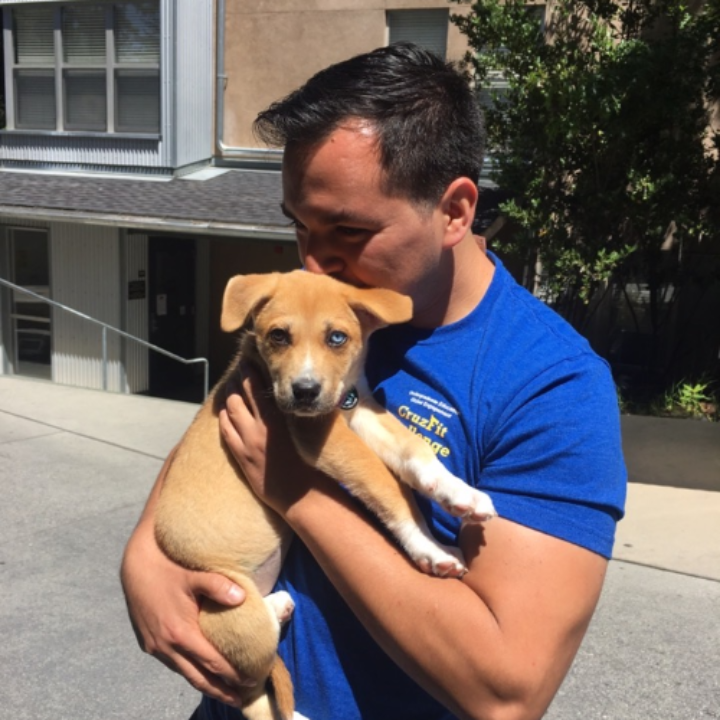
{"x": 306, "y": 390}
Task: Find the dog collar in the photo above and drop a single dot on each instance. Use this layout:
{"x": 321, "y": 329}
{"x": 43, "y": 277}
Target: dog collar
{"x": 350, "y": 400}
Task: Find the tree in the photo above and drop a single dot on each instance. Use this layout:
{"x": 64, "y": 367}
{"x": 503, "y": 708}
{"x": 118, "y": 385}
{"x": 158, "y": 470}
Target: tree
{"x": 603, "y": 138}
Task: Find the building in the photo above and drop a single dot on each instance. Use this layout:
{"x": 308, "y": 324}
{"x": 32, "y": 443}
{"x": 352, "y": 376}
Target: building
{"x": 131, "y": 186}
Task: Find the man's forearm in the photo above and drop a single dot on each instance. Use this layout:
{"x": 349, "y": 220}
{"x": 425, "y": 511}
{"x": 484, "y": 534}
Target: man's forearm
{"x": 412, "y": 616}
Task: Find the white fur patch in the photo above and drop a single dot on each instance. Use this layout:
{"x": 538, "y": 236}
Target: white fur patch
{"x": 308, "y": 367}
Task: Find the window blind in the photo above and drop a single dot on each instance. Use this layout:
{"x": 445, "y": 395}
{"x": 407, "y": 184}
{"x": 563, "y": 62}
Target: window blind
{"x": 85, "y": 100}
{"x": 137, "y": 33}
{"x": 35, "y": 99}
{"x": 34, "y": 37}
{"x": 138, "y": 101}
{"x": 83, "y": 34}
{"x": 427, "y": 28}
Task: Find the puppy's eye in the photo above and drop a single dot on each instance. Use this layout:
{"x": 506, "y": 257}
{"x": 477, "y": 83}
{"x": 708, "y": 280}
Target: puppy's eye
{"x": 278, "y": 336}
{"x": 336, "y": 338}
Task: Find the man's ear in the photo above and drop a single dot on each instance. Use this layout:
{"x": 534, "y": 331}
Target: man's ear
{"x": 458, "y": 205}
{"x": 243, "y": 294}
{"x": 378, "y": 307}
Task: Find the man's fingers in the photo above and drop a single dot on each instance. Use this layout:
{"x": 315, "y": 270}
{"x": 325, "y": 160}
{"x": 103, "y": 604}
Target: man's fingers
{"x": 217, "y": 588}
{"x": 257, "y": 396}
{"x": 240, "y": 389}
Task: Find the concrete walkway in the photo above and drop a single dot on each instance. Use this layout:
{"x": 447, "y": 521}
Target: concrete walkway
{"x": 76, "y": 467}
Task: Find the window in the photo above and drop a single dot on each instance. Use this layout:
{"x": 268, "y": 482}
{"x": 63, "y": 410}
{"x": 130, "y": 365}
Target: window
{"x": 427, "y": 28}
{"x": 85, "y": 67}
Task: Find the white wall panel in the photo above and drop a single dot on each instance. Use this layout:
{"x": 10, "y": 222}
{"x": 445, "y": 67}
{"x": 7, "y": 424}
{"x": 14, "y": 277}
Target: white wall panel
{"x": 105, "y": 152}
{"x": 193, "y": 82}
{"x": 86, "y": 277}
{"x": 167, "y": 81}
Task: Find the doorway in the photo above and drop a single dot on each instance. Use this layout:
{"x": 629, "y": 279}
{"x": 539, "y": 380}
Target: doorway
{"x": 30, "y": 318}
{"x": 172, "y": 319}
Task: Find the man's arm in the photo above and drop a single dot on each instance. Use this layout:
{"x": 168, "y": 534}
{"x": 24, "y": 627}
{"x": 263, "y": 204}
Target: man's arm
{"x": 496, "y": 645}
{"x": 163, "y": 603}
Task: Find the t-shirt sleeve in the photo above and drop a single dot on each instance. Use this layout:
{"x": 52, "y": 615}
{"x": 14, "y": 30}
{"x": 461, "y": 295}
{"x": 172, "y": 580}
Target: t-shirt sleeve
{"x": 552, "y": 457}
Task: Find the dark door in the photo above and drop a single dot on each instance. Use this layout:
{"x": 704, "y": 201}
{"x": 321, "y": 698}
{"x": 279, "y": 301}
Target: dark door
{"x": 172, "y": 319}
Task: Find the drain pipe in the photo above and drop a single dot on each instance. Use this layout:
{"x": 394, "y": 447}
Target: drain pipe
{"x": 252, "y": 155}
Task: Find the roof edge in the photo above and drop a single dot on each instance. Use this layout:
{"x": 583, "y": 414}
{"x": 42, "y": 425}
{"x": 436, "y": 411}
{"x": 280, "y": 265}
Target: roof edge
{"x": 204, "y": 227}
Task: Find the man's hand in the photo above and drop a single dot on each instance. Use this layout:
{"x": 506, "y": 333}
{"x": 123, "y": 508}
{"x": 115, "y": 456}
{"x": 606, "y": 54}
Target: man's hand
{"x": 257, "y": 435}
{"x": 163, "y": 601}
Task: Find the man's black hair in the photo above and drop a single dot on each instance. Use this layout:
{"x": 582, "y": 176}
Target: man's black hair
{"x": 427, "y": 119}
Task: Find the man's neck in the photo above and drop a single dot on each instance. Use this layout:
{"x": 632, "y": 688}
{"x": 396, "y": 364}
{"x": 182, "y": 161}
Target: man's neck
{"x": 467, "y": 276}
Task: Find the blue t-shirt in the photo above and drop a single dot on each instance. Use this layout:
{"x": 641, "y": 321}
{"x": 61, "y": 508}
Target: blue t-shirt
{"x": 514, "y": 401}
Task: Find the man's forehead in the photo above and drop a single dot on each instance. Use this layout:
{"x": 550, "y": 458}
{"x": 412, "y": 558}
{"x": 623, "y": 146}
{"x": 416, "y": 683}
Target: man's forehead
{"x": 354, "y": 136}
{"x": 364, "y": 130}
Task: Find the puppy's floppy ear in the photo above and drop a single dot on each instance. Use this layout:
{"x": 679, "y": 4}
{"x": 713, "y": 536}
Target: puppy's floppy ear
{"x": 377, "y": 307}
{"x": 243, "y": 294}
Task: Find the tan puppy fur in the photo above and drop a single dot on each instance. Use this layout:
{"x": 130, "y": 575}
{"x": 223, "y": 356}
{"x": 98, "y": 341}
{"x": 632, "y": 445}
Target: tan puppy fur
{"x": 308, "y": 334}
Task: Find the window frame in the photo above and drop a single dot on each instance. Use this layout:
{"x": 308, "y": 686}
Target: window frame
{"x": 61, "y": 69}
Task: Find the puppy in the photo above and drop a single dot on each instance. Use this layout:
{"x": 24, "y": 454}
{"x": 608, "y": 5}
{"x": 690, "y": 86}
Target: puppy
{"x": 307, "y": 333}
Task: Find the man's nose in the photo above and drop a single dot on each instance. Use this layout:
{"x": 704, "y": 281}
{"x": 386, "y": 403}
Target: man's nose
{"x": 319, "y": 256}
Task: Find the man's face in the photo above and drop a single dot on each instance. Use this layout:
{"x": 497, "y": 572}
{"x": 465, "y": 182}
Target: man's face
{"x": 349, "y": 228}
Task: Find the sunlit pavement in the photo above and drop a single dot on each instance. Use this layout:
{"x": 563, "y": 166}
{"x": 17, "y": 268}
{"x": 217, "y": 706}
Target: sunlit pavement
{"x": 77, "y": 465}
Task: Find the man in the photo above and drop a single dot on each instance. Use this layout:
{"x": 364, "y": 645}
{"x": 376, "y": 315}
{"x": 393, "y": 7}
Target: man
{"x": 382, "y": 156}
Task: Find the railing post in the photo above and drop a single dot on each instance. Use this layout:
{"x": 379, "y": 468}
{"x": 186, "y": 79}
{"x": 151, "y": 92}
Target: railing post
{"x": 104, "y": 350}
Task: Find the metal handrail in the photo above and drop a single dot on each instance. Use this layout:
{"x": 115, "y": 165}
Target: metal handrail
{"x": 122, "y": 333}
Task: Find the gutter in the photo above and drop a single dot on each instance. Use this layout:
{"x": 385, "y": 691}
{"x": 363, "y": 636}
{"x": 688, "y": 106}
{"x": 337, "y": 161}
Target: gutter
{"x": 141, "y": 222}
{"x": 263, "y": 155}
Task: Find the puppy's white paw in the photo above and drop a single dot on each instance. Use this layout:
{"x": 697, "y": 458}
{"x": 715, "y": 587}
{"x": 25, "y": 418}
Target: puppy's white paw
{"x": 281, "y": 605}
{"x": 458, "y": 498}
{"x": 471, "y": 505}
{"x": 447, "y": 564}
{"x": 430, "y": 556}
{"x": 441, "y": 564}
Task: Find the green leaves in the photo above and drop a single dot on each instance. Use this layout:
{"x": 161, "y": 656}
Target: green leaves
{"x": 600, "y": 129}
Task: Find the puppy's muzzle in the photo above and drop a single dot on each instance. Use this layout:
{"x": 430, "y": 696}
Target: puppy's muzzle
{"x": 306, "y": 392}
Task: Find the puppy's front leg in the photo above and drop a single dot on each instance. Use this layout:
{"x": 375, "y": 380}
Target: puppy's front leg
{"x": 329, "y": 445}
{"x": 414, "y": 462}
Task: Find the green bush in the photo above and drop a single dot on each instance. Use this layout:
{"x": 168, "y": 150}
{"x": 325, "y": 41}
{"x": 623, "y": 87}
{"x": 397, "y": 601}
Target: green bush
{"x": 602, "y": 136}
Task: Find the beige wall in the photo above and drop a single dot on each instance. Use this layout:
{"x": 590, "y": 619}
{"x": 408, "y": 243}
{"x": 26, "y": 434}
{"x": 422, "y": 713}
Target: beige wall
{"x": 273, "y": 46}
